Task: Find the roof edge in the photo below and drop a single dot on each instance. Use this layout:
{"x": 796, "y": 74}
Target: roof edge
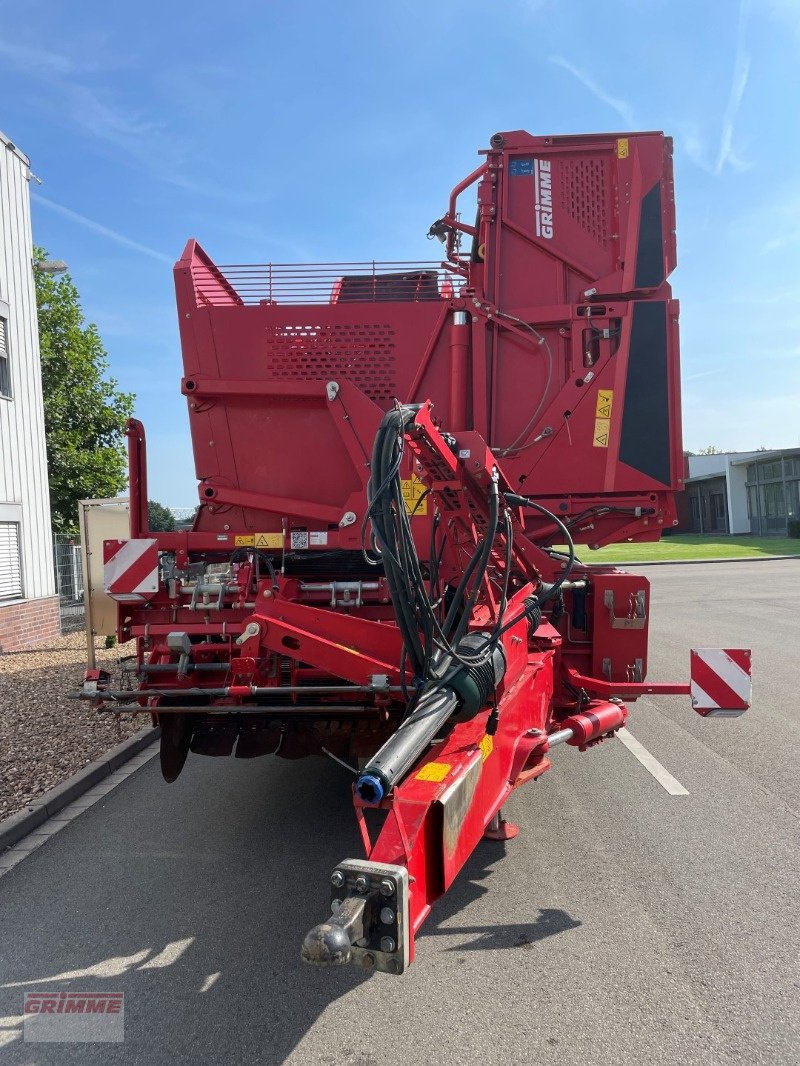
{"x": 12, "y": 147}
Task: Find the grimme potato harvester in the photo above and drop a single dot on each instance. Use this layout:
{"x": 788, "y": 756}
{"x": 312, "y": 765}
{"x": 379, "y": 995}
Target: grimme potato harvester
{"x": 395, "y": 463}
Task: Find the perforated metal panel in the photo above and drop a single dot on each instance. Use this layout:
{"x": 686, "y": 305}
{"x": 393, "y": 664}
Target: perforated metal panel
{"x": 584, "y": 195}
{"x": 362, "y": 354}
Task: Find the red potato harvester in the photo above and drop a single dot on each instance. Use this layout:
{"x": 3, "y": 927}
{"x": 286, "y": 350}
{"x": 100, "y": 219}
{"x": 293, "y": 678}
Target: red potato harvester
{"x": 395, "y": 463}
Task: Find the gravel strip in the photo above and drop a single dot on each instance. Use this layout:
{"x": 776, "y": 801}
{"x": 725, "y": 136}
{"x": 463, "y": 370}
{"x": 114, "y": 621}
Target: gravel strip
{"x": 45, "y": 737}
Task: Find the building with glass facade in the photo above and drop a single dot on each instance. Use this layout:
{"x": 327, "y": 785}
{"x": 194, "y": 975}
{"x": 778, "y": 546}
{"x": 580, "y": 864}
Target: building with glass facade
{"x": 743, "y": 492}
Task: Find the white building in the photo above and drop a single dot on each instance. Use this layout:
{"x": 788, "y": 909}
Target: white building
{"x": 28, "y": 603}
{"x": 743, "y": 492}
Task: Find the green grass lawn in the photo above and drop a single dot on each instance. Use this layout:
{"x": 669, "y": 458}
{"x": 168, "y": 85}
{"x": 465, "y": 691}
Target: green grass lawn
{"x": 688, "y": 546}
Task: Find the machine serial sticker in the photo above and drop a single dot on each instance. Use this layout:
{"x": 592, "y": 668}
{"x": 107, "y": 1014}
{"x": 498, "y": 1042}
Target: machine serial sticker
{"x": 622, "y": 148}
{"x": 605, "y": 401}
{"x": 318, "y": 538}
{"x": 602, "y": 431}
{"x": 244, "y": 542}
{"x": 412, "y": 490}
{"x": 268, "y": 540}
{"x": 519, "y": 167}
{"x": 299, "y": 539}
{"x": 434, "y": 771}
{"x": 486, "y": 746}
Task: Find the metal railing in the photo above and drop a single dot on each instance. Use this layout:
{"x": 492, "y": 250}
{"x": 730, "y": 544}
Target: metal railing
{"x": 329, "y": 283}
{"x": 69, "y": 581}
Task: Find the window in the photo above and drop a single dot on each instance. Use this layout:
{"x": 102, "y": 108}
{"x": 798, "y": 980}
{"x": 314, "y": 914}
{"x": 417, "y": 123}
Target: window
{"x": 5, "y": 373}
{"x": 773, "y": 500}
{"x": 752, "y": 502}
{"x": 793, "y": 493}
{"x": 10, "y": 563}
{"x": 791, "y": 466}
{"x": 694, "y": 508}
{"x": 767, "y": 471}
{"x": 751, "y": 471}
{"x": 718, "y": 503}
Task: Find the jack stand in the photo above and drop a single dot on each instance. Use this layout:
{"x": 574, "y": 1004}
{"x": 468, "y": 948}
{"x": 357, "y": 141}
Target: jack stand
{"x": 499, "y": 829}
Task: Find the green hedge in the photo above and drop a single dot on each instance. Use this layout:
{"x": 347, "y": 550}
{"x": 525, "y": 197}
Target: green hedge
{"x": 793, "y": 528}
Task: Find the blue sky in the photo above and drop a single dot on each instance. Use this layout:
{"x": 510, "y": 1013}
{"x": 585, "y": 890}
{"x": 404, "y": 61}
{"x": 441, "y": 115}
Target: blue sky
{"x": 318, "y": 131}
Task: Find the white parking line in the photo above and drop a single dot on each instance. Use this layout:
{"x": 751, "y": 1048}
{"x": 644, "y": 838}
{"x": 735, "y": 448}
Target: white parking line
{"x": 651, "y": 763}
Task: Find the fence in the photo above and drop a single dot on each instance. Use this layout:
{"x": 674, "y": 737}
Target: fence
{"x": 69, "y": 581}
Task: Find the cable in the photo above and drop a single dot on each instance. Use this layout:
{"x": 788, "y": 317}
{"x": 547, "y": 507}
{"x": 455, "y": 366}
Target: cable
{"x": 542, "y": 341}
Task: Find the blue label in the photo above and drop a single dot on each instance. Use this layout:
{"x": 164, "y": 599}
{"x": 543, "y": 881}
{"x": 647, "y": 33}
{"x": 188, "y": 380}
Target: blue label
{"x": 520, "y": 166}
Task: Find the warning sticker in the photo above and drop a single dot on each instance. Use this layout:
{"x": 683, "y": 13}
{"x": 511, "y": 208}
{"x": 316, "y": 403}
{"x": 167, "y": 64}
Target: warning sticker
{"x": 269, "y": 540}
{"x": 434, "y": 771}
{"x": 605, "y": 402}
{"x": 318, "y": 538}
{"x": 413, "y": 490}
{"x": 602, "y": 431}
{"x": 299, "y": 539}
{"x": 486, "y": 746}
{"x": 244, "y": 542}
{"x": 622, "y": 148}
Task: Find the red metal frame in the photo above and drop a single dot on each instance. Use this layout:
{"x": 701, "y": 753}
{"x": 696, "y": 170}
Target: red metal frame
{"x": 544, "y": 360}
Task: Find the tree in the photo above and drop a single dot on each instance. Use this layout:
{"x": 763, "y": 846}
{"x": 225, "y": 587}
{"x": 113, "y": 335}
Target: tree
{"x": 159, "y": 518}
{"x": 84, "y": 411}
{"x": 710, "y": 449}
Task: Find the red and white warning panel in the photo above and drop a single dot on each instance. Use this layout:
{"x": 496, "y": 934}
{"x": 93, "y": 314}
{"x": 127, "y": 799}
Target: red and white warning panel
{"x": 130, "y": 570}
{"x": 721, "y": 682}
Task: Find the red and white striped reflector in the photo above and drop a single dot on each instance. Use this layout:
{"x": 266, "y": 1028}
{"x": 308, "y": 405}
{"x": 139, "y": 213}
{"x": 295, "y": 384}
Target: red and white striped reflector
{"x": 721, "y": 685}
{"x": 130, "y": 570}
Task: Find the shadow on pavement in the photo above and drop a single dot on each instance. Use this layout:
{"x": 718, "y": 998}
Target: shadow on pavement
{"x": 468, "y": 888}
{"x": 193, "y": 900}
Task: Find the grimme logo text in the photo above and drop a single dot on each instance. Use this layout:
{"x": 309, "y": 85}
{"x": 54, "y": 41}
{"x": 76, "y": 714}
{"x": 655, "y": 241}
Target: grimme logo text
{"x": 543, "y": 185}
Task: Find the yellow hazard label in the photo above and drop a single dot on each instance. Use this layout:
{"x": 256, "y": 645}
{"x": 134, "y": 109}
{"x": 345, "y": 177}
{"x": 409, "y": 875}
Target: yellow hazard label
{"x": 486, "y": 746}
{"x": 413, "y": 489}
{"x": 268, "y": 540}
{"x": 602, "y": 431}
{"x": 605, "y": 401}
{"x": 244, "y": 542}
{"x": 622, "y": 148}
{"x": 434, "y": 771}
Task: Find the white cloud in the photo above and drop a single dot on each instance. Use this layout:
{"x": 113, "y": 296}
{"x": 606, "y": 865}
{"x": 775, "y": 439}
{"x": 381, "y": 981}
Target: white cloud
{"x": 622, "y": 107}
{"x": 103, "y": 231}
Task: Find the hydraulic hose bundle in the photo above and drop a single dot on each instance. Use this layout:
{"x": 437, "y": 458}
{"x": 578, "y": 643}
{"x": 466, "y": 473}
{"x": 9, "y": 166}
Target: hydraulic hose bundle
{"x": 454, "y": 672}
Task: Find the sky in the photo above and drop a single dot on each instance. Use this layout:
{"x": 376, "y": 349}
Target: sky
{"x": 313, "y": 131}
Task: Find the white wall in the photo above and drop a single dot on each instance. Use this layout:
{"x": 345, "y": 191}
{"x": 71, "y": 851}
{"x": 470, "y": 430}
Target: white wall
{"x": 737, "y": 499}
{"x": 23, "y": 458}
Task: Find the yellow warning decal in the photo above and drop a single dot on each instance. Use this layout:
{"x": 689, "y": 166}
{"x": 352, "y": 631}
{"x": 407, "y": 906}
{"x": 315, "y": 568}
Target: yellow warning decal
{"x": 434, "y": 771}
{"x": 605, "y": 401}
{"x": 268, "y": 540}
{"x": 602, "y": 431}
{"x": 622, "y": 148}
{"x": 244, "y": 542}
{"x": 413, "y": 489}
{"x": 486, "y": 746}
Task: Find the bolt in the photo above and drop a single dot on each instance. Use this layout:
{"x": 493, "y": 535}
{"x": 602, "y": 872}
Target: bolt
{"x": 361, "y": 884}
{"x": 335, "y": 905}
{"x": 387, "y": 944}
{"x": 387, "y": 915}
{"x": 394, "y": 964}
{"x": 267, "y": 593}
{"x": 337, "y": 878}
{"x": 368, "y": 959}
{"x": 387, "y": 887}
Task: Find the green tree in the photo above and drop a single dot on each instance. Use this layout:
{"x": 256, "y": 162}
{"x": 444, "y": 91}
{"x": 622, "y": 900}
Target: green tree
{"x": 710, "y": 449}
{"x": 84, "y": 411}
{"x": 159, "y": 518}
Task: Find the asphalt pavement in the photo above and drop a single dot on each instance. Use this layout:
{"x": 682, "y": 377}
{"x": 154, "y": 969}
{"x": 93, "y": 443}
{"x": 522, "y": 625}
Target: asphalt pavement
{"x": 624, "y": 924}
